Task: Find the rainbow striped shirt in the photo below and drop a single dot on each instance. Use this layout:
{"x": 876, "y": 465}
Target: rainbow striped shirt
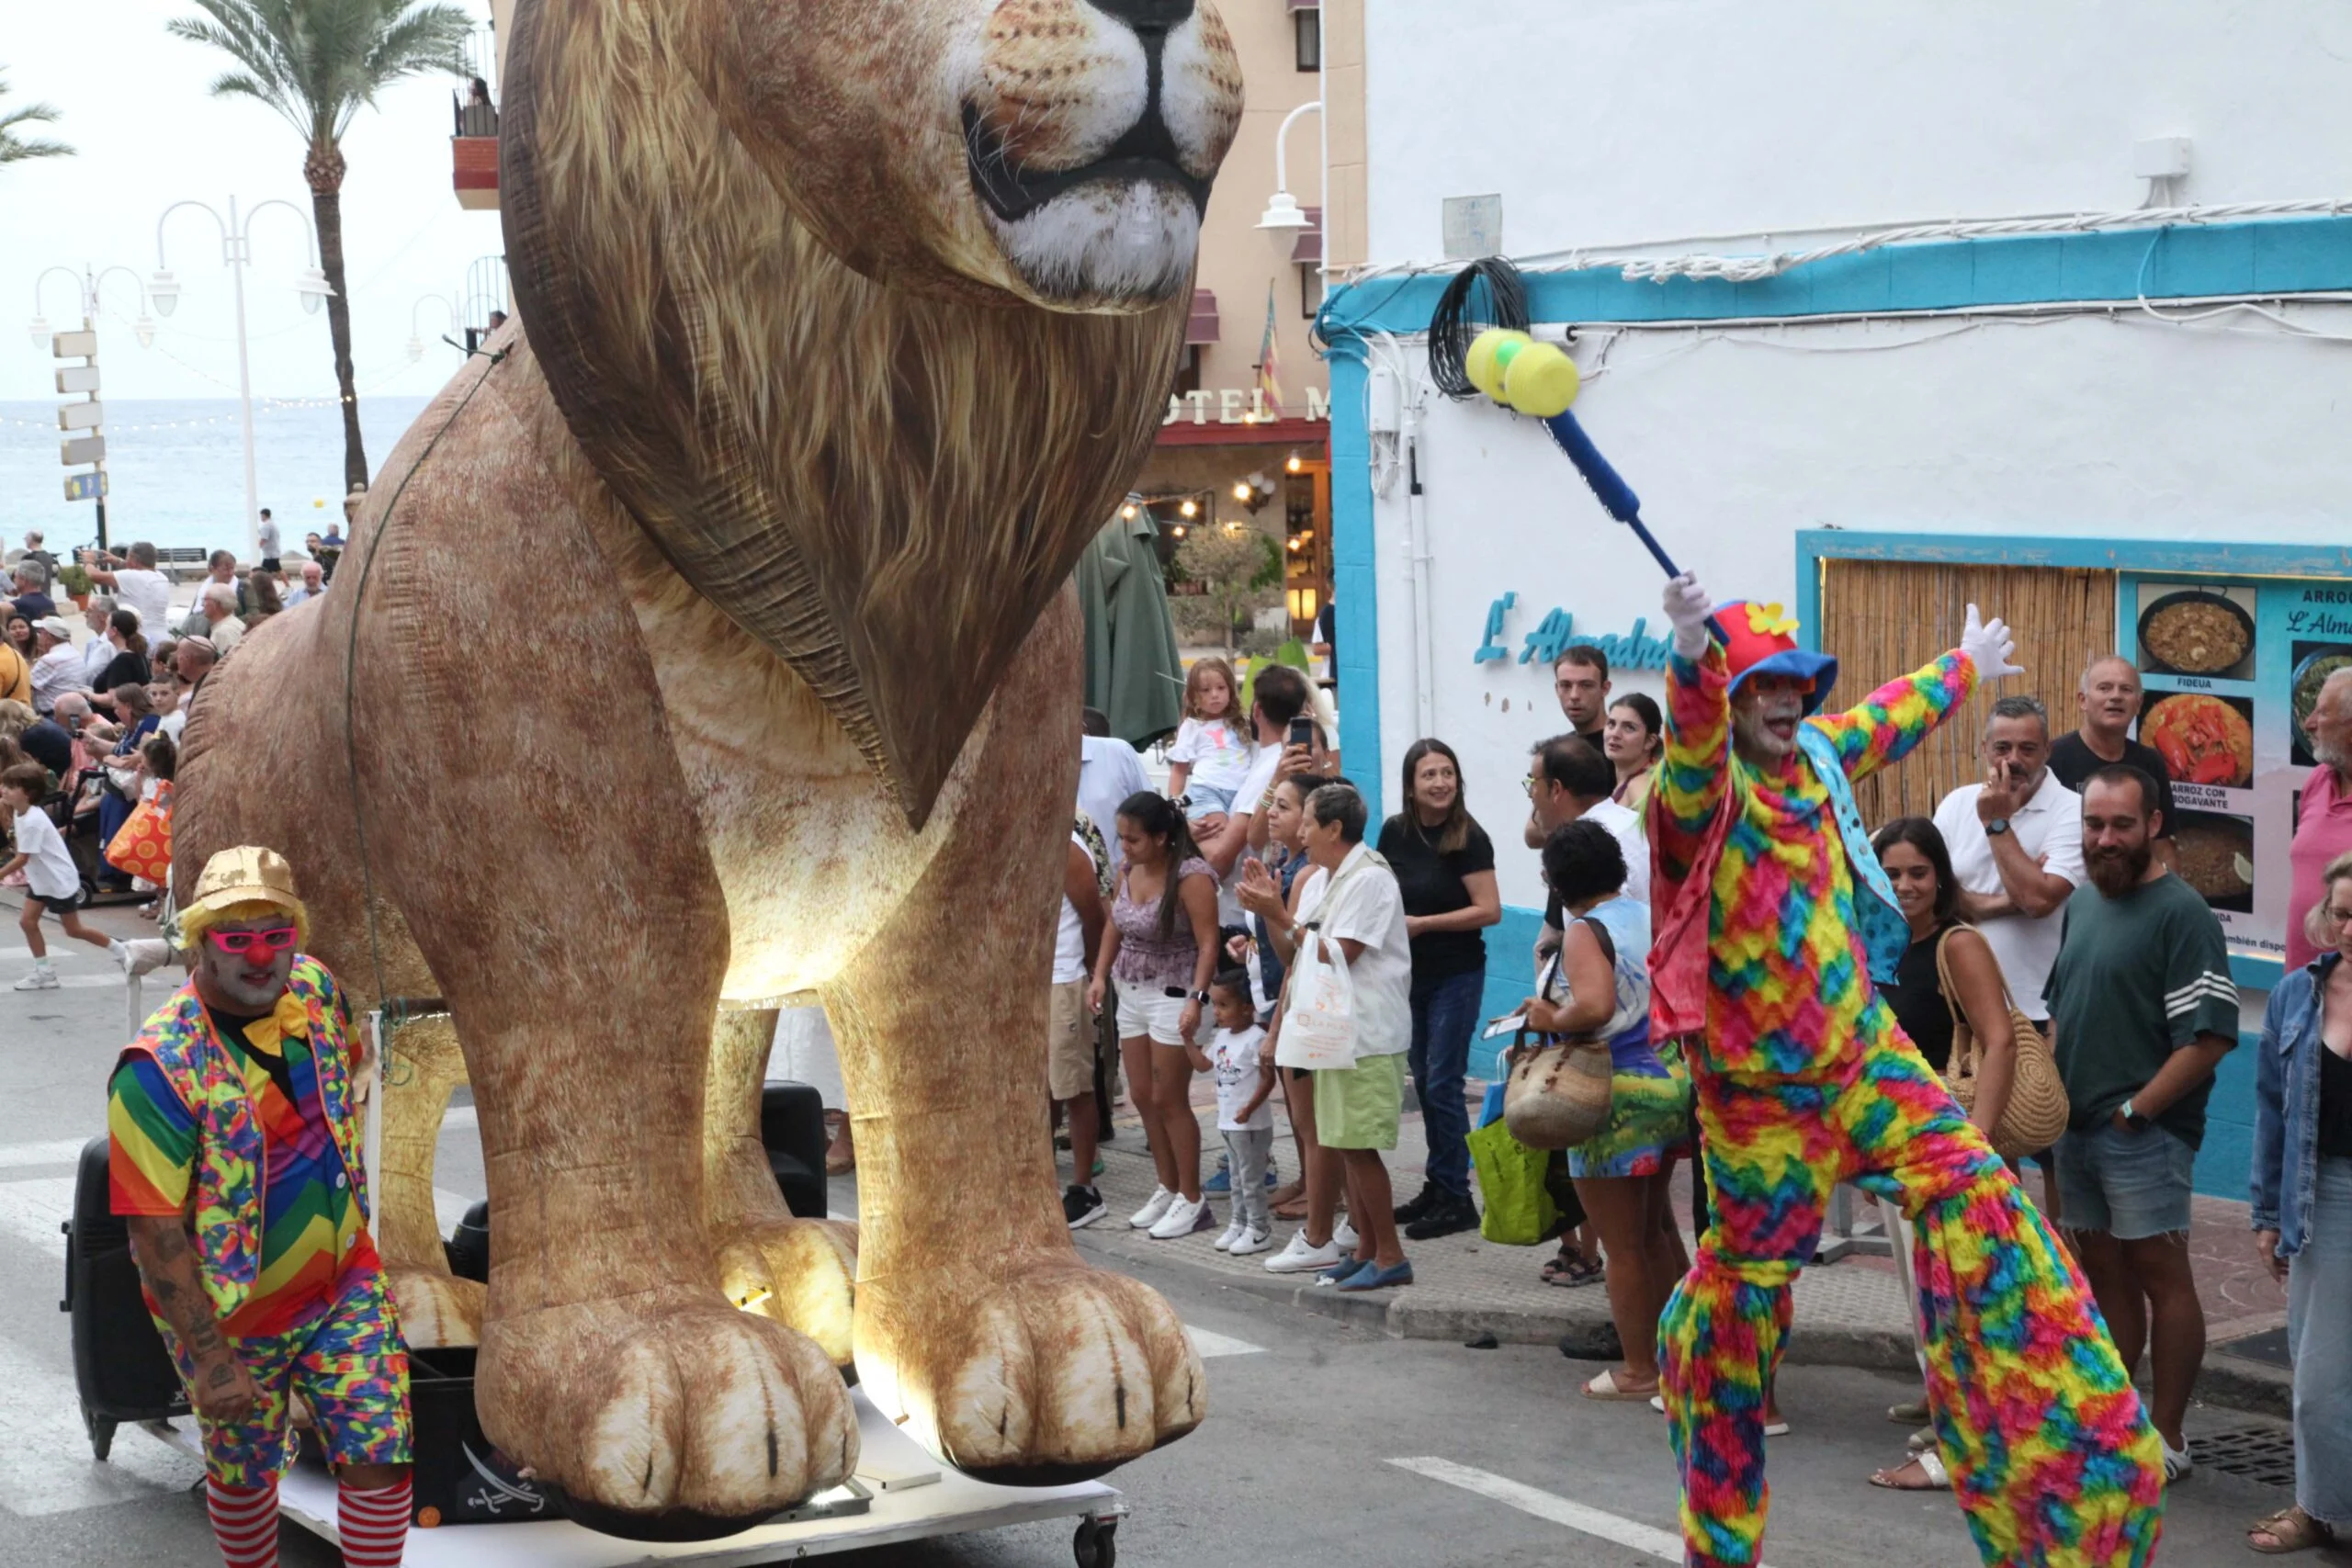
{"x": 313, "y": 1236}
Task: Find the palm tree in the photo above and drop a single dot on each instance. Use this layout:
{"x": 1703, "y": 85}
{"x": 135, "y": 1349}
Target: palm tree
{"x": 316, "y": 62}
{"x": 15, "y": 148}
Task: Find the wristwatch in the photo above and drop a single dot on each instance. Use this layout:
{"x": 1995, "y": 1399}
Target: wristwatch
{"x": 1202, "y": 997}
{"x": 1995, "y": 828}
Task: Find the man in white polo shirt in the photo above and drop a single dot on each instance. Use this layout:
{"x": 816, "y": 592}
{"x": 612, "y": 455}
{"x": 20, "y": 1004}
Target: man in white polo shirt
{"x": 2017, "y": 848}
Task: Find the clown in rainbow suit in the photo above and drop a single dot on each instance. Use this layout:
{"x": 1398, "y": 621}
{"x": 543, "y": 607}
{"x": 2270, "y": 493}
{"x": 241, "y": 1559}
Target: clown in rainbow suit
{"x": 1771, "y": 912}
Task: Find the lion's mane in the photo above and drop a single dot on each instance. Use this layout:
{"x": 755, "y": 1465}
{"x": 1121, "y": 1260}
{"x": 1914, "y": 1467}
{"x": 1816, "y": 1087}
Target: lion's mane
{"x": 886, "y": 487}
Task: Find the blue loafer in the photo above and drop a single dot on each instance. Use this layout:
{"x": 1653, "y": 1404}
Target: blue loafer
{"x": 1342, "y": 1271}
{"x": 1372, "y": 1277}
{"x": 1218, "y": 1185}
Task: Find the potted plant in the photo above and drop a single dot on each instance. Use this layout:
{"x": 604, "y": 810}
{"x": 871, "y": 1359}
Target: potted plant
{"x": 76, "y": 581}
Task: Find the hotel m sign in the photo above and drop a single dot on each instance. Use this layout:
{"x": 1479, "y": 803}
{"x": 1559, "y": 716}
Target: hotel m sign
{"x": 1235, "y": 405}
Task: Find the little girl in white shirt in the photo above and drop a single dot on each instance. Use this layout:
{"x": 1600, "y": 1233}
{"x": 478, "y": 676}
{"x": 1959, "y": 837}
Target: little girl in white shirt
{"x": 1212, "y": 751}
{"x": 1243, "y": 1083}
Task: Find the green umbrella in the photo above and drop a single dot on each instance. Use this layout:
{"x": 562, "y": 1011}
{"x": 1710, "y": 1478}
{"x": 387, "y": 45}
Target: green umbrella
{"x": 1132, "y": 674}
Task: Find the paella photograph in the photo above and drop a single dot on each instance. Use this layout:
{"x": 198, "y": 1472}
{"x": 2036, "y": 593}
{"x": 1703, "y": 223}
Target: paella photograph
{"x": 2197, "y": 631}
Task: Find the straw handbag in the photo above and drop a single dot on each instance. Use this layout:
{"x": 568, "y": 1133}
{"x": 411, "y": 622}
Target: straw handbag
{"x": 1557, "y": 1096}
{"x": 2037, "y": 1111}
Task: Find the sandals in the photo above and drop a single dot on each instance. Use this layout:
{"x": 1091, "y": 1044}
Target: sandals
{"x": 1605, "y": 1387}
{"x": 2289, "y": 1529}
{"x": 1571, "y": 1270}
{"x": 1931, "y": 1465}
{"x": 1910, "y": 1413}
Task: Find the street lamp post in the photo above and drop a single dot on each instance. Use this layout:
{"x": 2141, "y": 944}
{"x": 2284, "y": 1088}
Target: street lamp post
{"x": 415, "y": 337}
{"x": 85, "y": 379}
{"x": 236, "y": 250}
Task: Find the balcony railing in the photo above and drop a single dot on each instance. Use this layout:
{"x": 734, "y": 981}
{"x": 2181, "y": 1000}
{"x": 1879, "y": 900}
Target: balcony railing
{"x": 473, "y": 148}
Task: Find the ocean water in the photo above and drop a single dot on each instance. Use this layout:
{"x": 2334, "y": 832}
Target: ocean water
{"x": 175, "y": 469}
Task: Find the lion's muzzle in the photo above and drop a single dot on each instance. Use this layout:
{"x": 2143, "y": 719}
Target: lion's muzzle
{"x": 1092, "y": 134}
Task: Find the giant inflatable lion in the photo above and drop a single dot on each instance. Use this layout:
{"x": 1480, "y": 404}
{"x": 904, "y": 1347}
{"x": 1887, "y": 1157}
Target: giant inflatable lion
{"x": 707, "y": 641}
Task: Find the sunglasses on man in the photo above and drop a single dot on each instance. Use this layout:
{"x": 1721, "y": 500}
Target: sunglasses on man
{"x": 242, "y": 944}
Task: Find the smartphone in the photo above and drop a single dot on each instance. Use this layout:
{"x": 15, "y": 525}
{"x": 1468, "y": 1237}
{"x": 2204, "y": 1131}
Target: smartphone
{"x": 1302, "y": 731}
{"x": 1499, "y": 1027}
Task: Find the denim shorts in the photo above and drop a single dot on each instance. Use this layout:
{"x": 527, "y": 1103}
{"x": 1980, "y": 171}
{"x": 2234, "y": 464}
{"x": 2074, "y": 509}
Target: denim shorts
{"x": 1207, "y": 800}
{"x": 2128, "y": 1185}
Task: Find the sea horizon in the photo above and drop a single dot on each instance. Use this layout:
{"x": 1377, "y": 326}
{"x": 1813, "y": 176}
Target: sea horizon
{"x": 175, "y": 468}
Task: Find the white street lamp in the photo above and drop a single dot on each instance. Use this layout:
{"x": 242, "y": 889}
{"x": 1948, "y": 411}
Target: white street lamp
{"x": 451, "y": 315}
{"x": 236, "y": 251}
{"x": 38, "y": 331}
{"x": 1283, "y": 214}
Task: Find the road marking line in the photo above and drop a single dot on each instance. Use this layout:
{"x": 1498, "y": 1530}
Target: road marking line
{"x": 63, "y": 1151}
{"x": 1650, "y": 1542}
{"x": 31, "y": 1212}
{"x": 45, "y": 1463}
{"x": 1210, "y": 1345}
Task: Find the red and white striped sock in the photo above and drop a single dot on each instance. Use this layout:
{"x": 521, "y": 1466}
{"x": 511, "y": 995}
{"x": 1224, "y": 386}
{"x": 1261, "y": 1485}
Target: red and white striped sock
{"x": 245, "y": 1521}
{"x": 374, "y": 1525}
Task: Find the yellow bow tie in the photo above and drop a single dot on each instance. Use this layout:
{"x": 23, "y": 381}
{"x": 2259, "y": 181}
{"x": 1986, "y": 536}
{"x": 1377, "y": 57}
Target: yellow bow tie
{"x": 267, "y": 1034}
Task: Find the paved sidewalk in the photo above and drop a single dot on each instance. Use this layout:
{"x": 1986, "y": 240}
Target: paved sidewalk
{"x": 1850, "y": 1313}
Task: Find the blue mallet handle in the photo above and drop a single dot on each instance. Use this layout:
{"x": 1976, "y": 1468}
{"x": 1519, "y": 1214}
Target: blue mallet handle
{"x": 1609, "y": 487}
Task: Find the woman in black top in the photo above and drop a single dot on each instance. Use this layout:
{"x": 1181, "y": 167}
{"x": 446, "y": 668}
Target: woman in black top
{"x": 1919, "y": 866}
{"x": 1445, "y": 869}
{"x": 129, "y": 667}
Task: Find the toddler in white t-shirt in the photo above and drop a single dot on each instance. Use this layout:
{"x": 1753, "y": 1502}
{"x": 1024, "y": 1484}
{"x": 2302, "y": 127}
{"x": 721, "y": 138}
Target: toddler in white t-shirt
{"x": 1213, "y": 750}
{"x": 1244, "y": 1081}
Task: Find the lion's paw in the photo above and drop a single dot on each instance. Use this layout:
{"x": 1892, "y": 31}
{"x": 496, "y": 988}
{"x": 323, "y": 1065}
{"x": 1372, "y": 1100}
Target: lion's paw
{"x": 667, "y": 1404}
{"x": 801, "y": 1273}
{"x": 436, "y": 1309}
{"x": 1057, "y": 1373}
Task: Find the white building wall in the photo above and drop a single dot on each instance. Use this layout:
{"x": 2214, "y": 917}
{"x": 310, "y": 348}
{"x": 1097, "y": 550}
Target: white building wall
{"x": 1607, "y": 121}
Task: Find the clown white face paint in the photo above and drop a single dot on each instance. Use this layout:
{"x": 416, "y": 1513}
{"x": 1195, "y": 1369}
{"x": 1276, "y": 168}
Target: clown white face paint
{"x": 1765, "y": 713}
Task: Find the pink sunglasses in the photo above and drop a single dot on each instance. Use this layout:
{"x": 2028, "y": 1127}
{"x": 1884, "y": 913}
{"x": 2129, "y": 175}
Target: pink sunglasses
{"x": 276, "y": 940}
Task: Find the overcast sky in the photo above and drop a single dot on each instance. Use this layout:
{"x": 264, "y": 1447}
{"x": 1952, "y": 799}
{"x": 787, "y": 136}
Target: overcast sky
{"x": 133, "y": 104}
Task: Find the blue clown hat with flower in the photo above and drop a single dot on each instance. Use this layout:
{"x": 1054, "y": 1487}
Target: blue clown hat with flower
{"x": 1761, "y": 639}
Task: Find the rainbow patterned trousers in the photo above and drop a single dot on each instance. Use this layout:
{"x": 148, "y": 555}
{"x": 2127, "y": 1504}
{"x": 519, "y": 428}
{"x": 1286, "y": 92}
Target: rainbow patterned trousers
{"x": 2049, "y": 1454}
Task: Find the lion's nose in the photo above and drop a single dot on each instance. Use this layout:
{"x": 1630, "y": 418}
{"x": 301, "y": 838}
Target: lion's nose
{"x": 1147, "y": 16}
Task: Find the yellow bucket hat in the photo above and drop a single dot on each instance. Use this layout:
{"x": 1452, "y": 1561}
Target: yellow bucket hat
{"x": 240, "y": 882}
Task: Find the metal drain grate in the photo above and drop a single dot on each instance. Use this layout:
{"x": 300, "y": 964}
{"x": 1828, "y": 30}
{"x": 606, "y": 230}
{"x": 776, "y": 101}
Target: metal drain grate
{"x": 2262, "y": 1454}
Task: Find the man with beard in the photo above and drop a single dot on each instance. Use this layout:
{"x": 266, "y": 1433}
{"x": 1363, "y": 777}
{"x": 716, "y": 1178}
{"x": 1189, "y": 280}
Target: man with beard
{"x": 2322, "y": 818}
{"x": 2144, "y": 1009}
{"x": 236, "y": 1159}
{"x": 1774, "y": 916}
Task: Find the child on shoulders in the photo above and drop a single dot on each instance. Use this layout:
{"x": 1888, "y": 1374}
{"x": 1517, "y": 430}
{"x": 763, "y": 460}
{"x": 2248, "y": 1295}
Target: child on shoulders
{"x": 1214, "y": 747}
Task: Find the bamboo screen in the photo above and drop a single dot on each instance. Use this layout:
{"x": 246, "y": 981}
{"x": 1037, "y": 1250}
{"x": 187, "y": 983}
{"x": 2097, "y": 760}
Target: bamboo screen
{"x": 1886, "y": 618}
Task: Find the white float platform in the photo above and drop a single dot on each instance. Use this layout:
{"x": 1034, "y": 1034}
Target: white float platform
{"x": 892, "y": 1466}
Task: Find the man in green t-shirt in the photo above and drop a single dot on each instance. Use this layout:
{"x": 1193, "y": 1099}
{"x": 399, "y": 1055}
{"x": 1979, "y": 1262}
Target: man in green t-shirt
{"x": 2142, "y": 1009}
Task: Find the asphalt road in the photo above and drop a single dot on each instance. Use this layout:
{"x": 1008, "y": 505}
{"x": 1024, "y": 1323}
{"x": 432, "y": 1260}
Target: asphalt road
{"x": 1296, "y": 1464}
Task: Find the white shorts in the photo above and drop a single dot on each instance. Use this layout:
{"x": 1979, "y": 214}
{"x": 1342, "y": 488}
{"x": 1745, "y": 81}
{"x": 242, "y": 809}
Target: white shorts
{"x": 1144, "y": 1010}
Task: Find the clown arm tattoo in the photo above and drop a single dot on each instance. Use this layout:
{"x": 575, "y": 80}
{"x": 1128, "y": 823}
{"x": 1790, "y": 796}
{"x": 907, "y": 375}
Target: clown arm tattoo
{"x": 1885, "y": 727}
{"x": 159, "y": 1246}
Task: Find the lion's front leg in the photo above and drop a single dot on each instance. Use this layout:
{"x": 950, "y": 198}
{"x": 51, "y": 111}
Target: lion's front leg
{"x": 436, "y": 1308}
{"x": 771, "y": 1261}
{"x": 996, "y": 1346}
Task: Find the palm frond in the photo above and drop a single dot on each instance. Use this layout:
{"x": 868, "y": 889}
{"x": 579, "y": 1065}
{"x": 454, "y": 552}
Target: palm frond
{"x": 16, "y": 147}
{"x": 318, "y": 62}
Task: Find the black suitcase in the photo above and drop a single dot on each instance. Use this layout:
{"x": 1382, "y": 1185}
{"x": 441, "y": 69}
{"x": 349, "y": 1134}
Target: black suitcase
{"x": 120, "y": 1368}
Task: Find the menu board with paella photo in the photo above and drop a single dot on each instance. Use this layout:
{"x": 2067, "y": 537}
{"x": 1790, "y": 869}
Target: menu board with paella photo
{"x": 2223, "y": 679}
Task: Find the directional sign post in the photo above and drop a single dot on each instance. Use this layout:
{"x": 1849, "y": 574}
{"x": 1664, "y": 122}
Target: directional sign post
{"x": 86, "y": 416}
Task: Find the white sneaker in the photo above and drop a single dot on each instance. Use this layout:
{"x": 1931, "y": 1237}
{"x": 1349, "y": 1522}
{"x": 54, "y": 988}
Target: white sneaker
{"x": 1233, "y": 1232}
{"x": 1302, "y": 1256}
{"x": 1184, "y": 1217}
{"x": 2178, "y": 1466}
{"x": 1151, "y": 1213}
{"x": 1343, "y": 1235}
{"x": 1252, "y": 1241}
{"x": 43, "y": 978}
